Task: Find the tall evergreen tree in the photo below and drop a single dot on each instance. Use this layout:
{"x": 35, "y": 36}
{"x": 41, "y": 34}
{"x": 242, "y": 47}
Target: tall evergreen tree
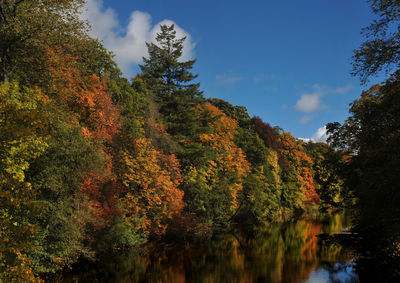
{"x": 171, "y": 83}
{"x": 169, "y": 75}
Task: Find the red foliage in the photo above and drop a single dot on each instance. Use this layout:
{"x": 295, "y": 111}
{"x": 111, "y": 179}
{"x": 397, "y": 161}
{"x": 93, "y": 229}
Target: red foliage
{"x": 266, "y": 133}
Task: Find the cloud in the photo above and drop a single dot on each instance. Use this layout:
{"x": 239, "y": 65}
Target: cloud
{"x": 306, "y": 119}
{"x": 319, "y": 136}
{"x": 311, "y": 102}
{"x": 227, "y": 79}
{"x": 344, "y": 89}
{"x": 305, "y": 139}
{"x": 265, "y": 77}
{"x": 128, "y": 43}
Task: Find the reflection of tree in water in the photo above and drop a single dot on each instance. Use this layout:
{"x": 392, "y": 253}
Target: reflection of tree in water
{"x": 278, "y": 253}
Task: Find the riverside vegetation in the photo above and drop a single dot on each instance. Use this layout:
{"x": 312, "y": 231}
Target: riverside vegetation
{"x": 92, "y": 162}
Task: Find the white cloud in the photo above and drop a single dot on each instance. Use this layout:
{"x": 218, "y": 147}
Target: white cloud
{"x": 103, "y": 21}
{"x": 128, "y": 43}
{"x": 227, "y": 79}
{"x": 306, "y": 119}
{"x": 320, "y": 135}
{"x": 311, "y": 102}
{"x": 343, "y": 89}
{"x": 305, "y": 139}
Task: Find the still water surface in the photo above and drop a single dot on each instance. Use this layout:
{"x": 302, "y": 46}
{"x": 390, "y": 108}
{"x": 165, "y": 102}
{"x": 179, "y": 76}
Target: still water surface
{"x": 288, "y": 252}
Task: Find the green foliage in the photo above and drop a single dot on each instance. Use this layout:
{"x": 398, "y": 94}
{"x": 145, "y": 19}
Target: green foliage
{"x": 92, "y": 162}
{"x": 29, "y": 28}
{"x": 373, "y": 170}
{"x": 261, "y": 188}
{"x": 119, "y": 234}
{"x": 206, "y": 198}
{"x": 260, "y": 199}
{"x": 169, "y": 76}
{"x": 328, "y": 165}
{"x": 291, "y": 196}
{"x": 380, "y": 51}
{"x": 22, "y": 140}
{"x": 58, "y": 174}
{"x": 131, "y": 98}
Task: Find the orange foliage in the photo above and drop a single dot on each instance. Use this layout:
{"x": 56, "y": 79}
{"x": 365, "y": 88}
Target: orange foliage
{"x": 85, "y": 96}
{"x": 151, "y": 181}
{"x": 89, "y": 105}
{"x": 229, "y": 158}
{"x": 294, "y": 152}
{"x": 221, "y": 139}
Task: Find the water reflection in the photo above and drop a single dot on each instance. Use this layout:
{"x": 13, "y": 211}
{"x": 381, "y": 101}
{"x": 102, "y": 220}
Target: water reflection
{"x": 289, "y": 252}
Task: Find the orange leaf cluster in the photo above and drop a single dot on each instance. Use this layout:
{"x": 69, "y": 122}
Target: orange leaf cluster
{"x": 84, "y": 96}
{"x": 294, "y": 152}
{"x": 151, "y": 181}
{"x": 229, "y": 158}
{"x": 89, "y": 105}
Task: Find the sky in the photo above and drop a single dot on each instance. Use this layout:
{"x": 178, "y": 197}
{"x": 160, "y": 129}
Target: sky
{"x": 287, "y": 62}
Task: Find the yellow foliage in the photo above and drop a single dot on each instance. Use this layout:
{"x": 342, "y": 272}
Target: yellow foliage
{"x": 229, "y": 159}
{"x": 152, "y": 179}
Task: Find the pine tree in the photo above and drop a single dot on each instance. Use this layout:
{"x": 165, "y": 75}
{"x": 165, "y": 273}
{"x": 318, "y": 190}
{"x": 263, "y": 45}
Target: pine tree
{"x": 169, "y": 75}
{"x": 171, "y": 83}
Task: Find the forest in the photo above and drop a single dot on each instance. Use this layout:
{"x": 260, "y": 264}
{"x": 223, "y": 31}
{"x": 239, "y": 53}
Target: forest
{"x": 92, "y": 162}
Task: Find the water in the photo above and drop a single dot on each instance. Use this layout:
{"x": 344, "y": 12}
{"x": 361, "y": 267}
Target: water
{"x": 299, "y": 251}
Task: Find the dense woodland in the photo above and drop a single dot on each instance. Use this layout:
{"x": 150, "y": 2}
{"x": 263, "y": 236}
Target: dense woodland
{"x": 92, "y": 162}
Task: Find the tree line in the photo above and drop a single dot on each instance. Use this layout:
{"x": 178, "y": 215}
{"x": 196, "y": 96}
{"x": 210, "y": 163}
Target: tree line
{"x": 92, "y": 162}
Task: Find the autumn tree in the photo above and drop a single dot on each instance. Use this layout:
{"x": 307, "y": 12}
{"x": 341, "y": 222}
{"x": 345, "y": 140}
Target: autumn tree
{"x": 29, "y": 28}
{"x": 151, "y": 195}
{"x": 267, "y": 133}
{"x": 259, "y": 199}
{"x": 73, "y": 175}
{"x": 328, "y": 170}
{"x": 298, "y": 188}
{"x": 212, "y": 189}
{"x": 23, "y": 139}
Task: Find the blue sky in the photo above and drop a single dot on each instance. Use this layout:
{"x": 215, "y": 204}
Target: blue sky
{"x": 287, "y": 61}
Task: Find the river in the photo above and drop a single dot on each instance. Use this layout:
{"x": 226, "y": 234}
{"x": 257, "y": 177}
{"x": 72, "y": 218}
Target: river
{"x": 299, "y": 251}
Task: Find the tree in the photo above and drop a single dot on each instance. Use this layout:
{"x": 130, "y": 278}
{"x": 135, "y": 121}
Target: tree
{"x": 212, "y": 187}
{"x": 381, "y": 50}
{"x": 171, "y": 77}
{"x": 327, "y": 168}
{"x": 23, "y": 139}
{"x": 372, "y": 134}
{"x": 259, "y": 199}
{"x": 299, "y": 187}
{"x": 170, "y": 83}
{"x": 29, "y": 28}
{"x": 151, "y": 181}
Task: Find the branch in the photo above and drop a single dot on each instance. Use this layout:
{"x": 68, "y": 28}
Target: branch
{"x": 3, "y": 15}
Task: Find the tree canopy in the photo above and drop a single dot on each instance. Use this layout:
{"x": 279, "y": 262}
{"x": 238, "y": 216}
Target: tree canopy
{"x": 381, "y": 50}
